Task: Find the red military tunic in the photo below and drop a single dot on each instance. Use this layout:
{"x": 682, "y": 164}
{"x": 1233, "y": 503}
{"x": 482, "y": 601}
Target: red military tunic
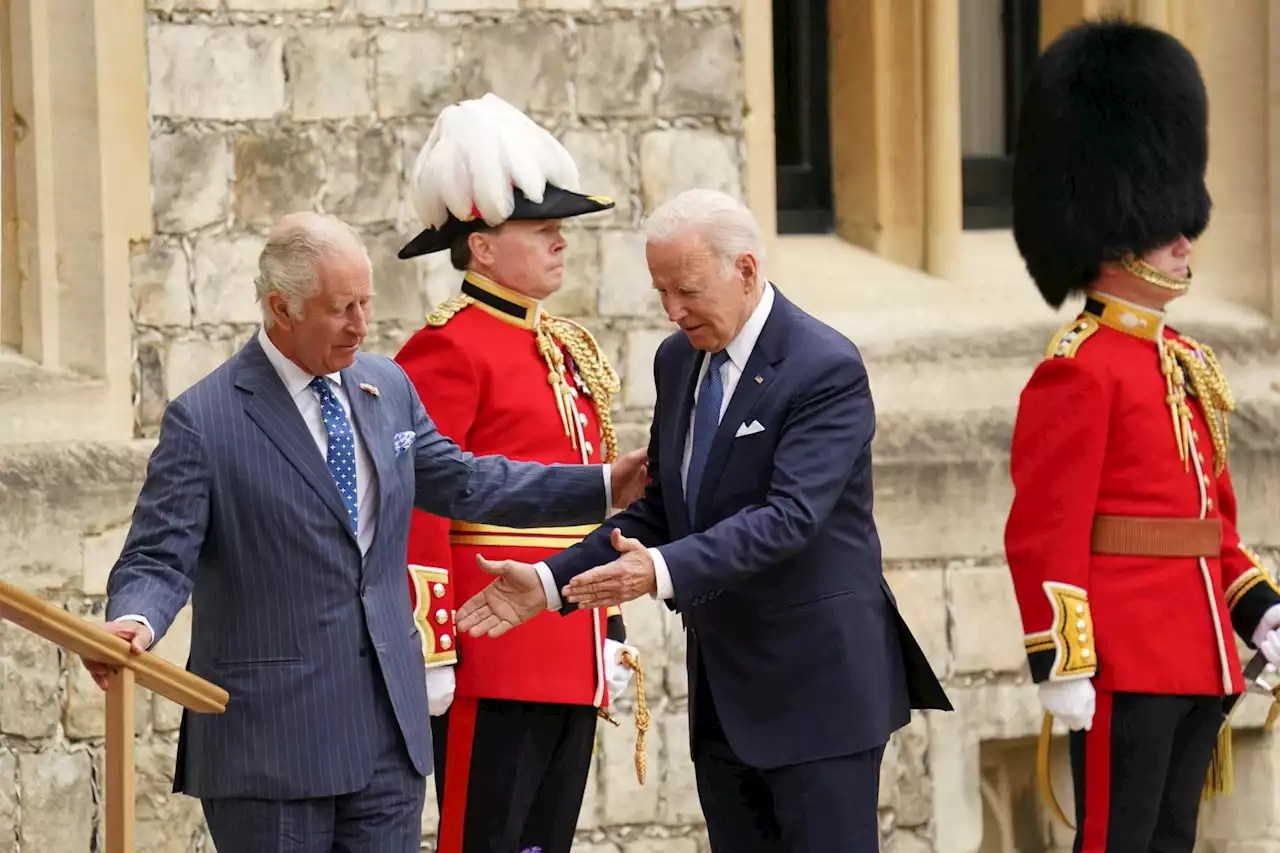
{"x": 484, "y": 382}
{"x": 1095, "y": 438}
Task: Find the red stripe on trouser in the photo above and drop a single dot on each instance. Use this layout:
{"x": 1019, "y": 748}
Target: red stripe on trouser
{"x": 1097, "y": 777}
{"x": 457, "y": 775}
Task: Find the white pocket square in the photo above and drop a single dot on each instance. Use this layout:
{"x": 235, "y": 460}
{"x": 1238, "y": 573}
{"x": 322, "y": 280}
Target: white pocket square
{"x": 749, "y": 429}
{"x": 403, "y": 441}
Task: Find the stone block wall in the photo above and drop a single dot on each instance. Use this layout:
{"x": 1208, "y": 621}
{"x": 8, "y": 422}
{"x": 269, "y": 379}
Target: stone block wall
{"x": 262, "y": 107}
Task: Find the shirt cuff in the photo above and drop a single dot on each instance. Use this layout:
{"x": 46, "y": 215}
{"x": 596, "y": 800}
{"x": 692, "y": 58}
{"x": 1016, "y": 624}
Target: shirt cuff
{"x": 134, "y": 617}
{"x": 608, "y": 490}
{"x": 662, "y": 574}
{"x": 549, "y": 586}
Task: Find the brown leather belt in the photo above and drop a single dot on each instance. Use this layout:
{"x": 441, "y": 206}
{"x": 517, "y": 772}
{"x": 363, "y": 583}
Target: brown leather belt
{"x": 1133, "y": 536}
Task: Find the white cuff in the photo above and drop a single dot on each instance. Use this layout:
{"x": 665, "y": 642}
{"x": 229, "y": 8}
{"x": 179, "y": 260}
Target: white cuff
{"x": 663, "y": 576}
{"x": 133, "y": 617}
{"x": 549, "y": 586}
{"x": 608, "y": 493}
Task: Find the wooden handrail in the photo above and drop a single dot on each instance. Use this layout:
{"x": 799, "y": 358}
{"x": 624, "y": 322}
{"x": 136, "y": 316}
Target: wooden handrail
{"x": 153, "y": 672}
{"x": 92, "y": 643}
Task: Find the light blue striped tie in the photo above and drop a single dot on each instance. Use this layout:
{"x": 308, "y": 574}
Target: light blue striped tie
{"x": 706, "y": 421}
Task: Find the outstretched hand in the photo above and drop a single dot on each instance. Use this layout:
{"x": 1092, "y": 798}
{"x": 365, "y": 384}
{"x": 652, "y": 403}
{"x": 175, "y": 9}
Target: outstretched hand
{"x": 513, "y": 599}
{"x": 625, "y": 579}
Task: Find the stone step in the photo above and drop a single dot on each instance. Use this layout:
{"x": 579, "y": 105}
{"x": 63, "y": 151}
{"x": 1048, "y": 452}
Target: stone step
{"x": 64, "y": 510}
{"x": 57, "y": 405}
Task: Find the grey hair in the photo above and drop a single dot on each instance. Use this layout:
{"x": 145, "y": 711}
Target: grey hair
{"x": 295, "y": 249}
{"x": 726, "y": 223}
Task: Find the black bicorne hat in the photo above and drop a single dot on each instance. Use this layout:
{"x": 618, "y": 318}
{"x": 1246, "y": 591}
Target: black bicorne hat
{"x": 1111, "y": 153}
{"x": 556, "y": 204}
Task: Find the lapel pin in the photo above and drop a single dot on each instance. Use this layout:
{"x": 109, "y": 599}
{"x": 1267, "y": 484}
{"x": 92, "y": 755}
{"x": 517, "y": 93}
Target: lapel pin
{"x": 369, "y": 389}
{"x": 759, "y": 380}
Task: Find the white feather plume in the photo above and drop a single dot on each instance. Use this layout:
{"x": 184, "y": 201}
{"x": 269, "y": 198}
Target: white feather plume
{"x": 476, "y": 153}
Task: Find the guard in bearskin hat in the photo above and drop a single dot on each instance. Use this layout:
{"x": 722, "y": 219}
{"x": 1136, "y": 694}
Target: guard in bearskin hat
{"x": 1121, "y": 539}
{"x": 513, "y": 718}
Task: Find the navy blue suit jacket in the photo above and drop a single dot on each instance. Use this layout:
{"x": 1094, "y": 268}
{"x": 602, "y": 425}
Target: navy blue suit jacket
{"x": 779, "y": 581}
{"x": 239, "y": 512}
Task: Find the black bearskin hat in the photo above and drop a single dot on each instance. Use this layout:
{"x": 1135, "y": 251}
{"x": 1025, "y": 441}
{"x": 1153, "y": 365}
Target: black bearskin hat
{"x": 1111, "y": 153}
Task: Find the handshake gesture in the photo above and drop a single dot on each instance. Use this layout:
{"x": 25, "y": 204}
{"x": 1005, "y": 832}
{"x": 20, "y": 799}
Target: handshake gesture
{"x": 519, "y": 593}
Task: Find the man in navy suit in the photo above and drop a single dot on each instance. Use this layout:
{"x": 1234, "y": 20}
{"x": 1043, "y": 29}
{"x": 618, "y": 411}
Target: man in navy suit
{"x": 278, "y": 498}
{"x": 758, "y": 529}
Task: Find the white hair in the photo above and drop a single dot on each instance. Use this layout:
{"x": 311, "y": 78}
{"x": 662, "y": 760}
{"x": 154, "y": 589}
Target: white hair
{"x": 726, "y": 223}
{"x": 296, "y": 248}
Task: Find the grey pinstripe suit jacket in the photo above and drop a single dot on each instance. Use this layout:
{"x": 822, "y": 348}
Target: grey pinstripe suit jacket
{"x": 239, "y": 512}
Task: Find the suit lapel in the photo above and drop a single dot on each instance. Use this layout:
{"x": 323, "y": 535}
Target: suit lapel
{"x": 369, "y": 423}
{"x": 269, "y": 405}
{"x": 756, "y": 378}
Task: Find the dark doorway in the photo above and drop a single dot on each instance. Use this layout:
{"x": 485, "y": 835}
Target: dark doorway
{"x": 999, "y": 43}
{"x": 802, "y": 116}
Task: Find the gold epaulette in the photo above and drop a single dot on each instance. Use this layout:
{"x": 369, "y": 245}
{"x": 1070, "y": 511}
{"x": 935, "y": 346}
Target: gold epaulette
{"x": 444, "y": 312}
{"x": 1067, "y": 342}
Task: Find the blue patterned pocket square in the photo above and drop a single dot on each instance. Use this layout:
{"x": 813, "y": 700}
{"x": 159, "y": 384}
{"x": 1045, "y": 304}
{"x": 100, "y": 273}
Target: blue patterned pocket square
{"x": 403, "y": 441}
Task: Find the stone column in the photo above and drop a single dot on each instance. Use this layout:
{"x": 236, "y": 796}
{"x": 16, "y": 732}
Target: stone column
{"x": 944, "y": 200}
{"x": 758, "y": 132}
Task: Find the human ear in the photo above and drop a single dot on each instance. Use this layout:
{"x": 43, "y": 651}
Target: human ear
{"x": 278, "y": 308}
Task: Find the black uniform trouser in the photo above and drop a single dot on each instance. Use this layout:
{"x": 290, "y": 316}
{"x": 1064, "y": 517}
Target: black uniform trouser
{"x": 1138, "y": 773}
{"x": 510, "y": 775}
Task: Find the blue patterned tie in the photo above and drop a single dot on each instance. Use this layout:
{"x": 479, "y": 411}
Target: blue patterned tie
{"x": 342, "y": 447}
{"x": 706, "y": 421}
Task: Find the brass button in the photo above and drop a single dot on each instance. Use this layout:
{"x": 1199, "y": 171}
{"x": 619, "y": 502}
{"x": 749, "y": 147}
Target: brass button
{"x": 1079, "y": 608}
{"x": 588, "y": 448}
{"x": 442, "y": 616}
{"x": 438, "y": 590}
{"x": 1084, "y": 638}
{"x": 445, "y": 641}
{"x": 582, "y": 419}
{"x": 1210, "y": 503}
{"x": 1200, "y": 456}
{"x": 1084, "y": 653}
{"x": 1080, "y": 625}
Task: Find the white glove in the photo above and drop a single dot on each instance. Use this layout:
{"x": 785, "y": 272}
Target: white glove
{"x": 1070, "y": 701}
{"x": 1266, "y": 637}
{"x": 440, "y": 684}
{"x": 617, "y": 673}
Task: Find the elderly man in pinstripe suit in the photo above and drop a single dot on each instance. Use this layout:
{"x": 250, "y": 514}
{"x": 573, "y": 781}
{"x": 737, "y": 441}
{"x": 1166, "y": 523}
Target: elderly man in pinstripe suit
{"x": 279, "y": 499}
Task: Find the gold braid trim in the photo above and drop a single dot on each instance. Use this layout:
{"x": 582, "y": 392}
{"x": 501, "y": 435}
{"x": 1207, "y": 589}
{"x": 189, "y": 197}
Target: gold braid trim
{"x": 444, "y": 312}
{"x": 1210, "y": 386}
{"x": 642, "y": 716}
{"x": 601, "y": 379}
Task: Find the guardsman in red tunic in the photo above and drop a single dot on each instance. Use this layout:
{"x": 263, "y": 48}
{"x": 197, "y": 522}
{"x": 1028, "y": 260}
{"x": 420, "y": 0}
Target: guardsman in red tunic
{"x": 1127, "y": 566}
{"x": 513, "y": 718}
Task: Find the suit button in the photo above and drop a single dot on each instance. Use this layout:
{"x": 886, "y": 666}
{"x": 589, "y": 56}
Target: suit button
{"x": 442, "y": 616}
{"x": 446, "y": 642}
{"x": 438, "y": 590}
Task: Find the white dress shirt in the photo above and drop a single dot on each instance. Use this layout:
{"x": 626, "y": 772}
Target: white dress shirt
{"x": 297, "y": 382}
{"x": 739, "y": 351}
